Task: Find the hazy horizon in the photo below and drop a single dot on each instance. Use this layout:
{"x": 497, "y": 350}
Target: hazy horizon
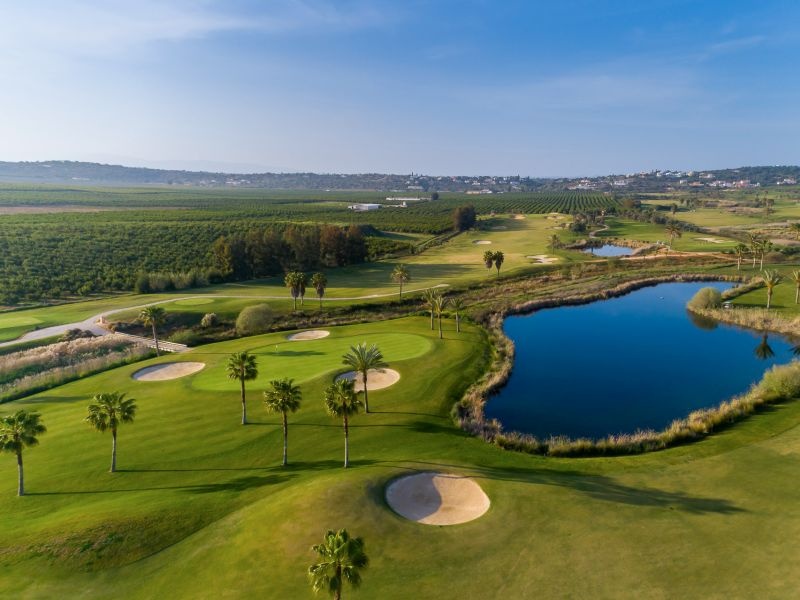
{"x": 576, "y": 88}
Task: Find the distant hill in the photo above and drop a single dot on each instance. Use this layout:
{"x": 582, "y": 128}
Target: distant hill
{"x": 85, "y": 173}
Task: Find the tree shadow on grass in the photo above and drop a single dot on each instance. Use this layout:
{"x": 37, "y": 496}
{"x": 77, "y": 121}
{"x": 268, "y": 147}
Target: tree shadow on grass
{"x": 47, "y": 400}
{"x": 601, "y": 487}
{"x": 239, "y": 484}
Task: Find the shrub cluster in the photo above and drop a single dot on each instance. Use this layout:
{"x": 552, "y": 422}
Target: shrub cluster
{"x": 707, "y": 297}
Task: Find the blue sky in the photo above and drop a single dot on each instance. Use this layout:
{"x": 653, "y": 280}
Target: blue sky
{"x": 564, "y": 87}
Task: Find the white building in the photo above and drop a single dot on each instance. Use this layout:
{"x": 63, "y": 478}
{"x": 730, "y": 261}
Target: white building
{"x": 363, "y": 207}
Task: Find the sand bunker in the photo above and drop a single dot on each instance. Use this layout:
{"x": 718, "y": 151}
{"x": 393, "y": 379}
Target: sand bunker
{"x": 437, "y": 498}
{"x": 314, "y": 334}
{"x": 711, "y": 239}
{"x": 481, "y": 242}
{"x": 519, "y": 217}
{"x": 543, "y": 258}
{"x": 376, "y": 380}
{"x": 167, "y": 371}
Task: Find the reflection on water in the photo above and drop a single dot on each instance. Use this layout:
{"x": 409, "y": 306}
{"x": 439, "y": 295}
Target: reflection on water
{"x": 635, "y": 362}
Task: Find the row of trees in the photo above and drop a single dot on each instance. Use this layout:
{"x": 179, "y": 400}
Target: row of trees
{"x": 283, "y": 397}
{"x": 493, "y": 259}
{"x": 297, "y": 281}
{"x": 108, "y": 411}
{"x": 270, "y": 251}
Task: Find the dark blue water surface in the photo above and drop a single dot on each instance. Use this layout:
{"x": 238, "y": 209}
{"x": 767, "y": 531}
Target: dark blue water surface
{"x": 610, "y": 250}
{"x": 635, "y": 362}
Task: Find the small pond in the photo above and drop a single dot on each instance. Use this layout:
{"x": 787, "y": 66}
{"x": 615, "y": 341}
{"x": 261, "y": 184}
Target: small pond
{"x": 635, "y": 362}
{"x": 608, "y": 250}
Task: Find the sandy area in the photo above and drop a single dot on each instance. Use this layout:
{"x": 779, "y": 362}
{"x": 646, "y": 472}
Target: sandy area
{"x": 711, "y": 240}
{"x": 167, "y": 371}
{"x": 376, "y": 380}
{"x": 313, "y": 334}
{"x": 481, "y": 242}
{"x": 437, "y": 498}
{"x": 543, "y": 258}
{"x": 519, "y": 217}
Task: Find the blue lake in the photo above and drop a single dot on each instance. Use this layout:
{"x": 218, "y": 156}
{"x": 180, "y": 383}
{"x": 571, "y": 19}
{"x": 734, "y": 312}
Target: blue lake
{"x": 635, "y": 362}
{"x": 607, "y": 250}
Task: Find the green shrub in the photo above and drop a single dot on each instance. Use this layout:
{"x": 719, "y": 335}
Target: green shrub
{"x": 187, "y": 337}
{"x": 707, "y": 297}
{"x": 254, "y": 319}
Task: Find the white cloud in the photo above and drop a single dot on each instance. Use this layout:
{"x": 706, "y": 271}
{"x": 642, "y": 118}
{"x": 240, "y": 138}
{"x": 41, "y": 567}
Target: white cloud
{"x": 84, "y": 27}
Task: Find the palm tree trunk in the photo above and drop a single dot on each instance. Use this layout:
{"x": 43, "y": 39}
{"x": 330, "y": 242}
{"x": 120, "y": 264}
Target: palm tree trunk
{"x": 797, "y": 294}
{"x": 320, "y": 302}
{"x": 769, "y": 298}
{"x": 739, "y": 263}
{"x": 431, "y": 319}
{"x": 366, "y": 399}
{"x": 155, "y": 338}
{"x": 337, "y": 593}
{"x": 346, "y": 447}
{"x": 20, "y": 475}
{"x": 401, "y": 290}
{"x": 244, "y": 405}
{"x": 458, "y": 323}
{"x": 285, "y": 440}
{"x": 294, "y": 299}
{"x": 440, "y": 325}
{"x": 113, "y": 451}
{"x": 762, "y": 261}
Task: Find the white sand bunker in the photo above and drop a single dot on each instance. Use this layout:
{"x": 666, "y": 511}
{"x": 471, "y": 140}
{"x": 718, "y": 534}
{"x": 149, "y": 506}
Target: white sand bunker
{"x": 314, "y": 334}
{"x": 167, "y": 371}
{"x": 711, "y": 240}
{"x": 543, "y": 258}
{"x": 481, "y": 242}
{"x": 437, "y": 498}
{"x": 519, "y": 217}
{"x": 376, "y": 380}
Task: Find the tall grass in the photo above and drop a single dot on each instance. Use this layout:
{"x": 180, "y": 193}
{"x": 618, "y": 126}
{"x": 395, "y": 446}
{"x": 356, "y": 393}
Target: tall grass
{"x": 37, "y": 369}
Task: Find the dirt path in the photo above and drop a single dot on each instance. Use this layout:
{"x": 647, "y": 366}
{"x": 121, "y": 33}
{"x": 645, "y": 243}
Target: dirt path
{"x": 93, "y": 323}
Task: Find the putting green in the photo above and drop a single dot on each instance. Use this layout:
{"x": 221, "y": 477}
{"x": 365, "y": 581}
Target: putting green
{"x": 20, "y": 321}
{"x": 307, "y": 360}
{"x": 193, "y": 301}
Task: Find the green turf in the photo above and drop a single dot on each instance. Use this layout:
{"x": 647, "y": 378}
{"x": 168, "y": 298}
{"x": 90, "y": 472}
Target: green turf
{"x": 201, "y": 509}
{"x": 690, "y": 241}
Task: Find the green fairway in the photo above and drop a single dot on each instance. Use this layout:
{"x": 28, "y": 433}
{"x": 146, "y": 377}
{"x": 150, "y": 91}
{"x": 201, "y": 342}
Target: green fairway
{"x": 200, "y": 507}
{"x": 303, "y": 360}
{"x": 690, "y": 241}
{"x": 459, "y": 261}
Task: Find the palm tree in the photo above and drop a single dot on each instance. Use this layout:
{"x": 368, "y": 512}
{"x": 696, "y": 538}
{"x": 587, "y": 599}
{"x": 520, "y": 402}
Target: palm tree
{"x": 499, "y": 257}
{"x": 362, "y": 359}
{"x": 302, "y": 281}
{"x": 429, "y": 296}
{"x": 293, "y": 282}
{"x": 439, "y": 304}
{"x": 155, "y": 316}
{"x": 283, "y": 397}
{"x": 554, "y": 243}
{"x": 401, "y": 275}
{"x": 457, "y": 304}
{"x": 17, "y": 432}
{"x": 341, "y": 401}
{"x": 795, "y": 277}
{"x": 764, "y": 351}
{"x": 673, "y": 230}
{"x": 740, "y": 250}
{"x": 108, "y": 412}
{"x": 242, "y": 366}
{"x": 488, "y": 259}
{"x": 320, "y": 282}
{"x": 764, "y": 247}
{"x": 755, "y": 246}
{"x": 342, "y": 559}
{"x": 771, "y": 279}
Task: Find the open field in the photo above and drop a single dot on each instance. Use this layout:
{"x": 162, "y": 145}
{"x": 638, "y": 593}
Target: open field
{"x": 648, "y": 232}
{"x": 201, "y": 509}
